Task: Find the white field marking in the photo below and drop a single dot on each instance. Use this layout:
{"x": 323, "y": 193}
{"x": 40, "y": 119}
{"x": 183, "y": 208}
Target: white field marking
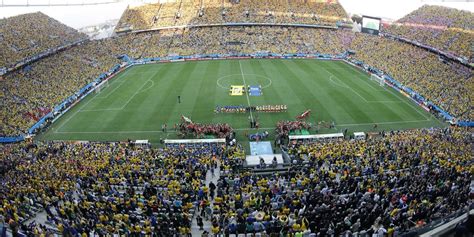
{"x": 345, "y": 85}
{"x": 243, "y": 129}
{"x": 251, "y": 74}
{"x": 152, "y": 84}
{"x": 363, "y": 79}
{"x": 77, "y": 111}
{"x": 94, "y": 97}
{"x": 97, "y": 110}
{"x": 391, "y": 92}
{"x": 394, "y": 122}
{"x": 146, "y": 131}
{"x": 335, "y": 83}
{"x": 115, "y": 81}
{"x": 107, "y": 109}
{"x": 409, "y": 104}
{"x": 134, "y": 94}
{"x": 121, "y": 108}
{"x": 112, "y": 91}
{"x": 245, "y": 88}
{"x": 367, "y": 101}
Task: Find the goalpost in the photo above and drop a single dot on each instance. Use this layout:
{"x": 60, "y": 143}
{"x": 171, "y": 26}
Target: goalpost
{"x": 380, "y": 80}
{"x": 101, "y": 86}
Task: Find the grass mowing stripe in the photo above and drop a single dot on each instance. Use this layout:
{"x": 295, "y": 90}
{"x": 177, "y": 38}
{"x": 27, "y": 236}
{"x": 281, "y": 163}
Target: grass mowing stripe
{"x": 138, "y": 90}
{"x": 323, "y": 91}
{"x": 301, "y": 84}
{"x": 112, "y": 91}
{"x": 245, "y": 88}
{"x": 207, "y": 89}
{"x": 170, "y": 100}
{"x": 77, "y": 111}
{"x": 365, "y": 77}
{"x": 354, "y": 81}
{"x": 342, "y": 83}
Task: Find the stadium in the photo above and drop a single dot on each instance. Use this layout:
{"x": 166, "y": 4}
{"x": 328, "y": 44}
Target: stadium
{"x": 236, "y": 118}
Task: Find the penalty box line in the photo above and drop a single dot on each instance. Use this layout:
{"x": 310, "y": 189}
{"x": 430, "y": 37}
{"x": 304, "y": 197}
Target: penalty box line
{"x": 397, "y": 95}
{"x": 95, "y": 96}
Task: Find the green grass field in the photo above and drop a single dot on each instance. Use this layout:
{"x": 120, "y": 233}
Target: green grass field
{"x": 136, "y": 103}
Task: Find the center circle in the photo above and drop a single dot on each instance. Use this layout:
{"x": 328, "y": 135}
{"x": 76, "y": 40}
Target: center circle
{"x": 226, "y": 81}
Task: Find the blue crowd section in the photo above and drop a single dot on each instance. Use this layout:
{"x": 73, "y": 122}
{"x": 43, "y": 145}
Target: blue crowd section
{"x": 64, "y": 106}
{"x": 11, "y": 139}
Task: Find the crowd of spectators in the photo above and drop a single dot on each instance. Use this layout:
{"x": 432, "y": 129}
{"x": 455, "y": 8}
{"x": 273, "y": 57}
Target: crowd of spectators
{"x": 447, "y": 84}
{"x": 59, "y": 76}
{"x": 236, "y": 40}
{"x": 193, "y": 12}
{"x": 138, "y": 18}
{"x": 390, "y": 184}
{"x": 384, "y": 186}
{"x": 104, "y": 188}
{"x": 31, "y": 92}
{"x": 440, "y": 16}
{"x": 447, "y": 29}
{"x": 387, "y": 184}
{"x": 27, "y": 35}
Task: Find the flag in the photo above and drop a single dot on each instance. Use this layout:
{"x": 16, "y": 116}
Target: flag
{"x": 186, "y": 119}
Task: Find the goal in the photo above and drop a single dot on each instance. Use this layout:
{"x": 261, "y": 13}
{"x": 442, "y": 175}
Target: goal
{"x": 101, "y": 86}
{"x": 377, "y": 79}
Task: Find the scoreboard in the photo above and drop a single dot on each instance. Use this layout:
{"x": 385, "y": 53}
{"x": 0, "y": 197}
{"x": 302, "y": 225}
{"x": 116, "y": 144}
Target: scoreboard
{"x": 371, "y": 25}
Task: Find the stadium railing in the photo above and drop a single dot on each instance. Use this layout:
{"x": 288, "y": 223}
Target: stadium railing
{"x": 316, "y": 137}
{"x": 450, "y": 56}
{"x": 232, "y": 24}
{"x": 29, "y": 60}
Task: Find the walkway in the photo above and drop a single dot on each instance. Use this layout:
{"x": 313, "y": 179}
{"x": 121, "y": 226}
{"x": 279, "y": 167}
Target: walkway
{"x": 207, "y": 223}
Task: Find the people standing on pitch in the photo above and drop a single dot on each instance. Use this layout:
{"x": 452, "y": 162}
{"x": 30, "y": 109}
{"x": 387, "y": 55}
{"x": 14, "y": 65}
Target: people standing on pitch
{"x": 179, "y": 99}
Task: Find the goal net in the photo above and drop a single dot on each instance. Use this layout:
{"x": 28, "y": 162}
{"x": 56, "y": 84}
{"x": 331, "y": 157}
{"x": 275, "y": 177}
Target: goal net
{"x": 101, "y": 86}
{"x": 377, "y": 79}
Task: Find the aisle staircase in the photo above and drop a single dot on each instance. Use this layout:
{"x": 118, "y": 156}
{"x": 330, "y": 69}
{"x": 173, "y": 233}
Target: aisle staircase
{"x": 207, "y": 223}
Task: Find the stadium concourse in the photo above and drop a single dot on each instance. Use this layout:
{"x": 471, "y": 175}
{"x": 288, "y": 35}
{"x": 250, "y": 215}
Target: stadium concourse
{"x": 393, "y": 183}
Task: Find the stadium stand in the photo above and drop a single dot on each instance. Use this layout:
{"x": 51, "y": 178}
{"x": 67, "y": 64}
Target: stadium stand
{"x": 138, "y": 18}
{"x": 334, "y": 187}
{"x": 357, "y": 187}
{"x": 447, "y": 29}
{"x": 449, "y": 85}
{"x": 18, "y": 41}
{"x": 390, "y": 184}
{"x": 59, "y": 77}
{"x": 193, "y": 12}
{"x": 212, "y": 40}
{"x": 107, "y": 188}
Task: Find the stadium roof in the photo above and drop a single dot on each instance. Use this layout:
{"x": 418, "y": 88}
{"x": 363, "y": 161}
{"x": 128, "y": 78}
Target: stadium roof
{"x": 79, "y": 16}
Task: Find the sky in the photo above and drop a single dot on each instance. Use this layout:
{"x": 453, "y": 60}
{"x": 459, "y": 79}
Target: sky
{"x": 81, "y": 16}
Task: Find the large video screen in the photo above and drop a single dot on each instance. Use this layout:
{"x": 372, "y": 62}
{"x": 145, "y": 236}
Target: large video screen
{"x": 370, "y": 25}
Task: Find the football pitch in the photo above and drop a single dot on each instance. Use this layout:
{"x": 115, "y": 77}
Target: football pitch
{"x": 138, "y": 101}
